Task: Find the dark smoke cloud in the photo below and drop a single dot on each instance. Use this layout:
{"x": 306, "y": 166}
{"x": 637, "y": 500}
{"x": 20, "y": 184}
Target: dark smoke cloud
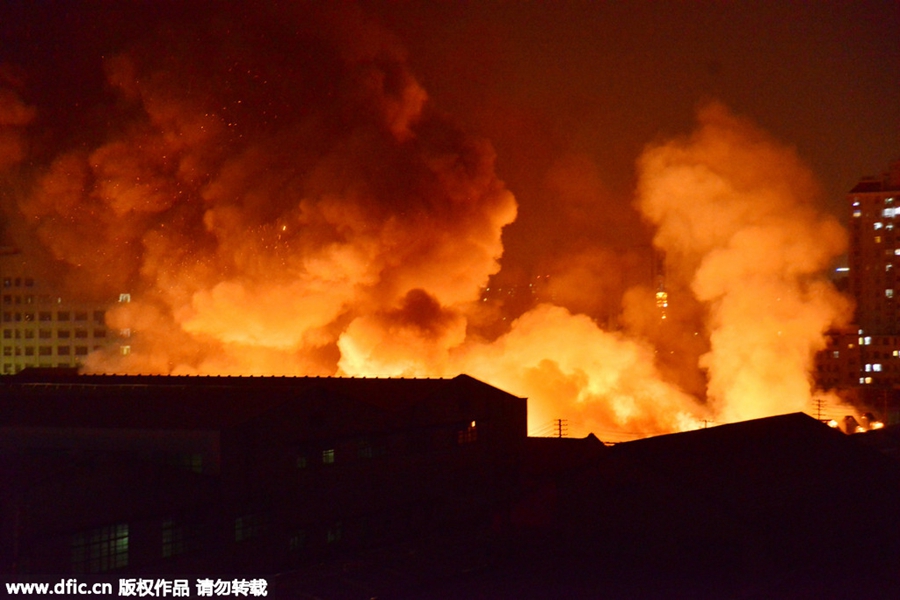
{"x": 260, "y": 181}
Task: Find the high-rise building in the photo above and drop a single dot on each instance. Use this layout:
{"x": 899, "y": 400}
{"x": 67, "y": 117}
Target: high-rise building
{"x": 875, "y": 252}
{"x": 864, "y": 358}
{"x": 41, "y": 328}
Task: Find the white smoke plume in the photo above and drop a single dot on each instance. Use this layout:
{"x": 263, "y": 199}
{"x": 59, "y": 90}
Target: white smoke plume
{"x": 736, "y": 215}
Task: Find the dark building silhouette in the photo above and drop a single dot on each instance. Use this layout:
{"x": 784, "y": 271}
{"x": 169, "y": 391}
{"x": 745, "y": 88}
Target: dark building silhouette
{"x": 188, "y": 474}
{"x": 391, "y": 488}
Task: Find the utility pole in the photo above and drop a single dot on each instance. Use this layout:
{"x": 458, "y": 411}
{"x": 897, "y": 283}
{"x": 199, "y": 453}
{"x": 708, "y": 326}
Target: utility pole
{"x": 820, "y": 404}
{"x": 561, "y": 425}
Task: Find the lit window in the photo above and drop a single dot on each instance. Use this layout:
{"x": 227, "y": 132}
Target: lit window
{"x": 867, "y": 340}
{"x": 889, "y": 213}
{"x": 889, "y": 293}
{"x": 173, "y": 538}
{"x": 328, "y": 456}
{"x": 877, "y": 239}
{"x": 126, "y": 350}
{"x": 857, "y": 213}
{"x": 102, "y": 549}
{"x": 468, "y": 435}
{"x": 124, "y": 297}
{"x": 836, "y": 354}
{"x": 876, "y": 367}
{"x": 868, "y": 380}
{"x": 868, "y": 368}
{"x": 878, "y": 225}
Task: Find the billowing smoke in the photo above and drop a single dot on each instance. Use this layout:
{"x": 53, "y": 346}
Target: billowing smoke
{"x": 735, "y": 213}
{"x": 274, "y": 194}
{"x": 14, "y": 116}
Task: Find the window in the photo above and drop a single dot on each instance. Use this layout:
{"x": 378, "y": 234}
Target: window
{"x": 297, "y": 541}
{"x": 328, "y": 456}
{"x": 248, "y": 527}
{"x": 468, "y": 435}
{"x": 187, "y": 461}
{"x": 63, "y": 334}
{"x": 888, "y": 293}
{"x": 99, "y": 550}
{"x": 81, "y": 350}
{"x": 98, "y": 317}
{"x": 99, "y": 333}
{"x": 81, "y": 334}
{"x": 45, "y": 334}
{"x": 124, "y": 297}
{"x": 178, "y": 537}
{"x": 81, "y": 316}
{"x": 335, "y": 533}
{"x": 364, "y": 449}
{"x": 7, "y": 334}
{"x": 63, "y": 350}
{"x": 45, "y": 351}
{"x": 45, "y": 315}
{"x": 29, "y": 350}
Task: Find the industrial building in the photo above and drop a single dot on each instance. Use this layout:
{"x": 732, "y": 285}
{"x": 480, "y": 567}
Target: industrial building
{"x": 176, "y": 474}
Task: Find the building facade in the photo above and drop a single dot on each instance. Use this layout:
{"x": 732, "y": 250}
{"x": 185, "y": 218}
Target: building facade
{"x": 40, "y": 328}
{"x": 111, "y": 474}
{"x": 874, "y": 255}
{"x": 863, "y": 360}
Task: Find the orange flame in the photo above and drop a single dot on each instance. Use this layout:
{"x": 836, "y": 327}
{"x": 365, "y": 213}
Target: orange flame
{"x": 312, "y": 215}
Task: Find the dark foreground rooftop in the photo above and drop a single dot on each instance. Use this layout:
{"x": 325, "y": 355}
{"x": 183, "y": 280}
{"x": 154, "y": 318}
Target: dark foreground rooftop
{"x": 368, "y": 488}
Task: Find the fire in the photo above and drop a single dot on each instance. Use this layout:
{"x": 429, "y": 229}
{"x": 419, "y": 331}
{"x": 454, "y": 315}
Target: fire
{"x": 314, "y": 215}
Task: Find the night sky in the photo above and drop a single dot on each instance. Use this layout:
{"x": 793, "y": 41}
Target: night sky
{"x": 552, "y": 84}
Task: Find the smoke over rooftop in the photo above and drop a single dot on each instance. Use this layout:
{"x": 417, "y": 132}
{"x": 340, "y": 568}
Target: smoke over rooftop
{"x": 278, "y": 195}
